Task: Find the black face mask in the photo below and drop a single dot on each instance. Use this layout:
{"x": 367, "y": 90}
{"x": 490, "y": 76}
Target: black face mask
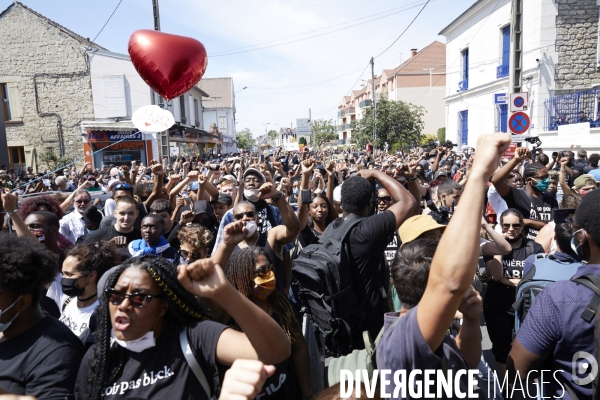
{"x": 69, "y": 287}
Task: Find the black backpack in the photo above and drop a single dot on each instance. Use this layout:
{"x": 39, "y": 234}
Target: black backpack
{"x": 322, "y": 272}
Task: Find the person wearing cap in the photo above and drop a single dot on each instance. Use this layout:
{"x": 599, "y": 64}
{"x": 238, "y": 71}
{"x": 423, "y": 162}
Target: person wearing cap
{"x": 584, "y": 183}
{"x": 420, "y": 227}
{"x": 62, "y": 184}
{"x": 92, "y": 219}
{"x": 441, "y": 175}
{"x": 72, "y": 225}
{"x": 221, "y": 205}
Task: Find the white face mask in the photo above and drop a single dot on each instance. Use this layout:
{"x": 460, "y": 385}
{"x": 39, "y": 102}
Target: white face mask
{"x": 251, "y": 226}
{"x": 4, "y": 325}
{"x": 138, "y": 345}
{"x": 251, "y": 195}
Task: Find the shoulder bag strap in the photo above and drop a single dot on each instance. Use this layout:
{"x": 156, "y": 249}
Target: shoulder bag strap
{"x": 66, "y": 303}
{"x": 592, "y": 282}
{"x": 192, "y": 362}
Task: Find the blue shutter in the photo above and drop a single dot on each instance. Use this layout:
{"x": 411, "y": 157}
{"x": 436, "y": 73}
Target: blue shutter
{"x": 465, "y": 55}
{"x": 505, "y": 45}
{"x": 464, "y": 127}
{"x": 504, "y": 118}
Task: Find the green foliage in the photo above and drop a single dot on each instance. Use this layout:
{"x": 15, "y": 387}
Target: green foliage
{"x": 245, "y": 139}
{"x": 426, "y": 139}
{"x": 324, "y": 131}
{"x": 272, "y": 134}
{"x": 302, "y": 141}
{"x": 441, "y": 135}
{"x": 398, "y": 122}
{"x": 52, "y": 161}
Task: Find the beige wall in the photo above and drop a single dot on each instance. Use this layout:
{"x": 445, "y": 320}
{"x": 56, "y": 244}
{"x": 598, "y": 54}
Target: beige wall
{"x": 435, "y": 117}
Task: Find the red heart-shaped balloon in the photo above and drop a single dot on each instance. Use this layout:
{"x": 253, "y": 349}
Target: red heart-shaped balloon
{"x": 170, "y": 64}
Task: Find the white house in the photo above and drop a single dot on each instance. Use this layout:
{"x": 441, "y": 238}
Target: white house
{"x": 477, "y": 67}
{"x": 219, "y": 111}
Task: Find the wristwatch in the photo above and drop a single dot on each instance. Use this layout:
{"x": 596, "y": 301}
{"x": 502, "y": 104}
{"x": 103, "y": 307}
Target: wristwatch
{"x": 279, "y": 196}
{"x": 413, "y": 178}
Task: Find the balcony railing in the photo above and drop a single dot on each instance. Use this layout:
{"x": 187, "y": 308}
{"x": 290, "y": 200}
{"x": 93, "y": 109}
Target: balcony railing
{"x": 347, "y": 127}
{"x": 502, "y": 71}
{"x": 340, "y": 114}
{"x": 340, "y": 127}
{"x": 349, "y": 110}
{"x": 463, "y": 85}
{"x": 572, "y": 108}
{"x": 365, "y": 103}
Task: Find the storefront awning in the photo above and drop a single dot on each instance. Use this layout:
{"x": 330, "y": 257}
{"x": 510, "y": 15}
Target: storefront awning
{"x": 121, "y": 126}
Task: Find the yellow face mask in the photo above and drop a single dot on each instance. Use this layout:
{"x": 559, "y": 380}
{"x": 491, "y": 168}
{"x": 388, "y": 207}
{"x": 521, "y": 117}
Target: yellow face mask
{"x": 264, "y": 285}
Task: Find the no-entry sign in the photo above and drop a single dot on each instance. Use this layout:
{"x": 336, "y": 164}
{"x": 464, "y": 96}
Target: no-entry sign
{"x": 519, "y": 123}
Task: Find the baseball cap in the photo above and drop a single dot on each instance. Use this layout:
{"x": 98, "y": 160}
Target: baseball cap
{"x": 229, "y": 178}
{"x": 200, "y": 207}
{"x": 112, "y": 183}
{"x": 255, "y": 172}
{"x": 92, "y": 216}
{"x": 415, "y": 226}
{"x": 439, "y": 173}
{"x": 580, "y": 181}
{"x": 223, "y": 199}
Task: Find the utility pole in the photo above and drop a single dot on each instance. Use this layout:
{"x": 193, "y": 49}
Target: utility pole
{"x": 516, "y": 47}
{"x": 374, "y": 101}
{"x": 165, "y": 135}
{"x": 312, "y": 132}
{"x": 156, "y": 15}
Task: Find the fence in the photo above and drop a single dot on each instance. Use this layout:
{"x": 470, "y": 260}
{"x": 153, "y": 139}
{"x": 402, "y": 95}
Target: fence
{"x": 572, "y": 108}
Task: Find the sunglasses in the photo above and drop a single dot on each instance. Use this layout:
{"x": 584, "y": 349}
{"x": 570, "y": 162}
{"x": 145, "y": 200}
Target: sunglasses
{"x": 82, "y": 201}
{"x": 514, "y": 226}
{"x": 249, "y": 214}
{"x": 385, "y": 199}
{"x": 264, "y": 270}
{"x": 123, "y": 186}
{"x": 139, "y": 300}
{"x": 186, "y": 254}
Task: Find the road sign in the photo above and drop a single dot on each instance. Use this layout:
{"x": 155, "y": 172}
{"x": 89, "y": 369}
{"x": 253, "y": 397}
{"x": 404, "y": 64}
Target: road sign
{"x": 519, "y": 123}
{"x": 510, "y": 153}
{"x": 288, "y": 130}
{"x": 500, "y": 98}
{"x": 519, "y": 101}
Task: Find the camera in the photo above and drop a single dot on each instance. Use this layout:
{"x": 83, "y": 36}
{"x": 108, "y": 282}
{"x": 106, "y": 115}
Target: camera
{"x": 442, "y": 215}
{"x": 449, "y": 144}
{"x": 555, "y": 154}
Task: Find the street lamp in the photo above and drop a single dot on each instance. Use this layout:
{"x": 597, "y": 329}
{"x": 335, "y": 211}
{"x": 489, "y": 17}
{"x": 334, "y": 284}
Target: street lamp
{"x": 244, "y": 88}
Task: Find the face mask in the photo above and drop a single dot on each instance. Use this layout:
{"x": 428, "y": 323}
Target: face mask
{"x": 4, "y": 325}
{"x": 105, "y": 180}
{"x": 251, "y": 226}
{"x": 264, "y": 286}
{"x": 458, "y": 162}
{"x": 69, "y": 287}
{"x": 138, "y": 345}
{"x": 577, "y": 248}
{"x": 542, "y": 184}
{"x": 90, "y": 230}
{"x": 295, "y": 190}
{"x": 39, "y": 234}
{"x": 251, "y": 195}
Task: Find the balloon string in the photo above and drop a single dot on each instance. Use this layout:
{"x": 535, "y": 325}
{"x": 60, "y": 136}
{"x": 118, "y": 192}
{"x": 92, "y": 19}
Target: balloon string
{"x": 66, "y": 165}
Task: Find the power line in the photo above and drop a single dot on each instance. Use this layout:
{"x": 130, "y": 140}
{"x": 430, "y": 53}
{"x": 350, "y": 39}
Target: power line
{"x": 308, "y": 84}
{"x": 232, "y": 51}
{"x": 106, "y": 23}
{"x": 404, "y": 31}
{"x": 361, "y": 74}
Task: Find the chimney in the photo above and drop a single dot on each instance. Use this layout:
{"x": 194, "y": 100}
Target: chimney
{"x": 413, "y": 52}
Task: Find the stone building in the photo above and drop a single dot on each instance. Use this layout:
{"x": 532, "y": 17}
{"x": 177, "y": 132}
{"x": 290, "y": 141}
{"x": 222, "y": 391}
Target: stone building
{"x": 45, "y": 86}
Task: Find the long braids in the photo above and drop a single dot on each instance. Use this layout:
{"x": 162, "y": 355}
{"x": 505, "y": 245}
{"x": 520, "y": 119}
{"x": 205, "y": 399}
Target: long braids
{"x": 240, "y": 273}
{"x": 107, "y": 362}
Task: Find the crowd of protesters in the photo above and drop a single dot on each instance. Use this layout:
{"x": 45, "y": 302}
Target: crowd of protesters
{"x": 179, "y": 281}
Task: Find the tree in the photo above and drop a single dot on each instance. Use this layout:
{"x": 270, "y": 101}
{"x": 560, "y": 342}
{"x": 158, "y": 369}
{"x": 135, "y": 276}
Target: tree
{"x": 426, "y": 139}
{"x": 245, "y": 139}
{"x": 441, "y": 135}
{"x": 302, "y": 141}
{"x": 397, "y": 122}
{"x": 53, "y": 162}
{"x": 272, "y": 135}
{"x": 324, "y": 131}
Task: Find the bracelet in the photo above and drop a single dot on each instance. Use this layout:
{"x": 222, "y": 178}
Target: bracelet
{"x": 11, "y": 212}
{"x": 279, "y": 196}
{"x": 413, "y": 178}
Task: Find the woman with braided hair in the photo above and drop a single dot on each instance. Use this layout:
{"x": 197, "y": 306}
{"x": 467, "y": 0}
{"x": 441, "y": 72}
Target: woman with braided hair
{"x": 250, "y": 271}
{"x": 150, "y": 309}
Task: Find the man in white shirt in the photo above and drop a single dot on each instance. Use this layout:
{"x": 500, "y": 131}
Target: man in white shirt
{"x": 72, "y": 225}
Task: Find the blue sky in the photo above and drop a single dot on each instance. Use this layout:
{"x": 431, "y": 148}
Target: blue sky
{"x": 283, "y": 81}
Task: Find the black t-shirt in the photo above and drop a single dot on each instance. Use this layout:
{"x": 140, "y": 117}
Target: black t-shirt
{"x": 513, "y": 262}
{"x": 162, "y": 372}
{"x": 42, "y": 361}
{"x": 536, "y": 208}
{"x": 109, "y": 232}
{"x": 367, "y": 243}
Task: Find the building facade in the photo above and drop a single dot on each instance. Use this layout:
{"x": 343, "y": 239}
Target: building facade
{"x": 420, "y": 80}
{"x": 45, "y": 85}
{"x": 219, "y": 112}
{"x": 478, "y": 52}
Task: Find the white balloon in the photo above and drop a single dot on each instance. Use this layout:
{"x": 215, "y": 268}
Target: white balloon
{"x": 152, "y": 119}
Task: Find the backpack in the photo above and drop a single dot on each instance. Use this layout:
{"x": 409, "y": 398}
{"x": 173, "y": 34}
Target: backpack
{"x": 322, "y": 272}
{"x": 546, "y": 269}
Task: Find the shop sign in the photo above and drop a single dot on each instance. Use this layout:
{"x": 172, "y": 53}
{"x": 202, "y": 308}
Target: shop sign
{"x": 112, "y": 136}
{"x": 120, "y": 146}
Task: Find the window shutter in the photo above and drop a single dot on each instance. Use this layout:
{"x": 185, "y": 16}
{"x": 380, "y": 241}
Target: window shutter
{"x": 14, "y": 98}
{"x": 115, "y": 102}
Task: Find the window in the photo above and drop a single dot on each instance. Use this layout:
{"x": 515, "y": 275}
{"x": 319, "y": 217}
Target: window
{"x": 5, "y": 101}
{"x": 463, "y": 117}
{"x": 115, "y": 100}
{"x": 182, "y": 109}
{"x": 196, "y": 112}
{"x": 222, "y": 123}
{"x": 464, "y": 83}
{"x": 502, "y": 70}
{"x": 502, "y": 113}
